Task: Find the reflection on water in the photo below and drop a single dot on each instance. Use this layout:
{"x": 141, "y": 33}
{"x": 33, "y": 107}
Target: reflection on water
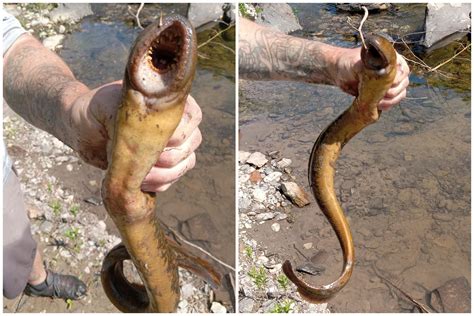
{"x": 201, "y": 205}
{"x": 404, "y": 183}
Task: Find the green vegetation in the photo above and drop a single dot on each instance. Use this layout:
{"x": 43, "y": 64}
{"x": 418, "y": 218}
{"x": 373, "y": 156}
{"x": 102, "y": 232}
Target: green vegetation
{"x": 283, "y": 281}
{"x": 69, "y": 303}
{"x": 74, "y": 209}
{"x": 248, "y": 251}
{"x": 56, "y": 206}
{"x": 259, "y": 276}
{"x": 243, "y": 11}
{"x": 282, "y": 307}
{"x": 72, "y": 233}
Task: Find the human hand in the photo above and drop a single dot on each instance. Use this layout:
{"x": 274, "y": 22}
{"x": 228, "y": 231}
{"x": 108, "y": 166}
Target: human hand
{"x": 93, "y": 117}
{"x": 349, "y": 65}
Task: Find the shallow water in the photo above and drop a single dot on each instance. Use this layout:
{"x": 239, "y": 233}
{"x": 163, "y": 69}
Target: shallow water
{"x": 404, "y": 183}
{"x": 201, "y": 205}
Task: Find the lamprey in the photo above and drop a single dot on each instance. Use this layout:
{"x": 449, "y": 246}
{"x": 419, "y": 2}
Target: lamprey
{"x": 157, "y": 81}
{"x": 379, "y": 61}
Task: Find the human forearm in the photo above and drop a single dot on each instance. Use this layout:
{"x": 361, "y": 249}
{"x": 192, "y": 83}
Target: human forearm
{"x": 266, "y": 54}
{"x": 41, "y": 88}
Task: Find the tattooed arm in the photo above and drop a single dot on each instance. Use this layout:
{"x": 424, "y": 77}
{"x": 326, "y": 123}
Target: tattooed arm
{"x": 267, "y": 54}
{"x": 41, "y": 88}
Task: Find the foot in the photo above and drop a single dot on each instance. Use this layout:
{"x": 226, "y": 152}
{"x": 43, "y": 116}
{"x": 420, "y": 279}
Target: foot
{"x": 58, "y": 286}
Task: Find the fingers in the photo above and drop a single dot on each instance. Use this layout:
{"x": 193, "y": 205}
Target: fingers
{"x": 192, "y": 116}
{"x": 399, "y": 87}
{"x": 178, "y": 157}
{"x": 160, "y": 179}
{"x": 171, "y": 156}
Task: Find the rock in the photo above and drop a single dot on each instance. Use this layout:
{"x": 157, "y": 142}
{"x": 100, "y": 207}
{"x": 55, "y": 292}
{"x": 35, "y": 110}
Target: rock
{"x": 452, "y": 297}
{"x": 294, "y": 193}
{"x": 216, "y": 307}
{"x": 281, "y": 216}
{"x": 187, "y": 291}
{"x": 265, "y": 216}
{"x": 41, "y": 21}
{"x": 53, "y": 42}
{"x": 202, "y": 13}
{"x": 69, "y": 167}
{"x": 272, "y": 177}
{"x": 246, "y": 305}
{"x": 70, "y": 12}
{"x": 257, "y": 159}
{"x": 61, "y": 29}
{"x": 282, "y": 164}
{"x": 308, "y": 245}
{"x": 243, "y": 156}
{"x": 229, "y": 12}
{"x": 35, "y": 213}
{"x": 259, "y": 195}
{"x": 255, "y": 177}
{"x": 276, "y": 227}
{"x": 279, "y": 16}
{"x": 445, "y": 23}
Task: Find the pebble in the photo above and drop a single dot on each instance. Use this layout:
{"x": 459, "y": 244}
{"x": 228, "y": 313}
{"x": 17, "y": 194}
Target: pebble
{"x": 35, "y": 213}
{"x": 294, "y": 193}
{"x": 308, "y": 245}
{"x": 246, "y": 305}
{"x": 272, "y": 177}
{"x": 265, "y": 216}
{"x": 218, "y": 308}
{"x": 187, "y": 291}
{"x": 257, "y": 159}
{"x": 259, "y": 195}
{"x": 276, "y": 227}
{"x": 53, "y": 42}
{"x": 243, "y": 156}
{"x": 69, "y": 167}
{"x": 283, "y": 163}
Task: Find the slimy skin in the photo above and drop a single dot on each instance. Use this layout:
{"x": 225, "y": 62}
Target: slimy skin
{"x": 156, "y": 84}
{"x": 379, "y": 69}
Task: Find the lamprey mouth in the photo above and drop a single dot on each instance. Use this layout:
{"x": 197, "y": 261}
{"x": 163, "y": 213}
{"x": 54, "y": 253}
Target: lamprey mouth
{"x": 165, "y": 52}
{"x": 372, "y": 56}
{"x": 160, "y": 63}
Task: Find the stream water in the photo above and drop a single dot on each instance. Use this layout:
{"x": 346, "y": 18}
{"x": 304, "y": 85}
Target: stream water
{"x": 201, "y": 205}
{"x": 403, "y": 182}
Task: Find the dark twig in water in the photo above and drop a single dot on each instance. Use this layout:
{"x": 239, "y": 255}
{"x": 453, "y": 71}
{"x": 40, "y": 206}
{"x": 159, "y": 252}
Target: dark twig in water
{"x": 422, "y": 307}
{"x": 216, "y": 35}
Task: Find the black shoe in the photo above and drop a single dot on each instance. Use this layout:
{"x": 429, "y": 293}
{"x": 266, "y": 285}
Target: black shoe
{"x": 59, "y": 286}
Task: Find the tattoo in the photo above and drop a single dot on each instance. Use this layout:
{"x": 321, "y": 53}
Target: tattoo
{"x": 37, "y": 85}
{"x": 270, "y": 55}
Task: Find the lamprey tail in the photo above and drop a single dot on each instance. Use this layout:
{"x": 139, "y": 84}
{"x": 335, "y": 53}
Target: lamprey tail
{"x": 380, "y": 67}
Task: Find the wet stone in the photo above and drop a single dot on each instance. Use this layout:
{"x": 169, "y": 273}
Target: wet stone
{"x": 452, "y": 297}
{"x": 265, "y": 216}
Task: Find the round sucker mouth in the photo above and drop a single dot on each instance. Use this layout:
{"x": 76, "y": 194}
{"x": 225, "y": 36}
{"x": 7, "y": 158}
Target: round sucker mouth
{"x": 165, "y": 51}
{"x": 373, "y": 58}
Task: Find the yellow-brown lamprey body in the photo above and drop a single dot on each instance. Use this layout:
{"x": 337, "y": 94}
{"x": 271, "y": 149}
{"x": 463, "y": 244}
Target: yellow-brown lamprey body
{"x": 379, "y": 61}
{"x": 156, "y": 84}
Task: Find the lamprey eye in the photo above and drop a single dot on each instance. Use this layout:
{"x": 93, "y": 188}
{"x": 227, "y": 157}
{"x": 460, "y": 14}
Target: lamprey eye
{"x": 164, "y": 52}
